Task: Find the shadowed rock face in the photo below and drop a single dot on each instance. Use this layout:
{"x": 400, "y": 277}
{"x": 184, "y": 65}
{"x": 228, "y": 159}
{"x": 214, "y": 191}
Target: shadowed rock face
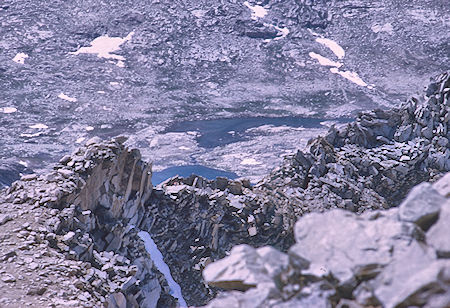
{"x": 10, "y": 171}
{"x": 203, "y": 59}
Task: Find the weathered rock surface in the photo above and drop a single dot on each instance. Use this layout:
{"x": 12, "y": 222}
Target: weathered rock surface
{"x": 366, "y": 164}
{"x": 421, "y": 206}
{"x": 345, "y": 260}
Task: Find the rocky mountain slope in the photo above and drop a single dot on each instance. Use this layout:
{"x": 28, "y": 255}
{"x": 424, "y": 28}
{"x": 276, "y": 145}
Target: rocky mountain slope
{"x": 172, "y": 61}
{"x": 73, "y": 236}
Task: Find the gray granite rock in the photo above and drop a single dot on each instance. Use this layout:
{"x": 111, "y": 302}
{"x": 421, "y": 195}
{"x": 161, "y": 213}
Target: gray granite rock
{"x": 421, "y": 206}
{"x": 412, "y": 278}
{"x": 245, "y": 268}
{"x": 442, "y": 186}
{"x": 439, "y": 234}
{"x": 346, "y": 247}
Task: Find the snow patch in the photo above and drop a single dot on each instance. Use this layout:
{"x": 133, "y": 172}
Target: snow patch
{"x": 283, "y": 31}
{"x": 158, "y": 260}
{"x": 67, "y": 98}
{"x": 387, "y": 27}
{"x": 352, "y": 76}
{"x": 31, "y": 135}
{"x": 8, "y": 110}
{"x": 39, "y": 126}
{"x": 20, "y": 58}
{"x": 250, "y": 162}
{"x": 80, "y": 140}
{"x": 333, "y": 46}
{"x": 272, "y": 129}
{"x": 324, "y": 61}
{"x": 257, "y": 10}
{"x": 105, "y": 46}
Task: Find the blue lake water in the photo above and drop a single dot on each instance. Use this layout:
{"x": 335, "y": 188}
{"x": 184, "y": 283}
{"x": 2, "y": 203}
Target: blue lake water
{"x": 185, "y": 171}
{"x": 213, "y": 133}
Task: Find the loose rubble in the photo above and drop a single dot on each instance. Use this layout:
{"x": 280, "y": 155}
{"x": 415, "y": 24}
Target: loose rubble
{"x": 328, "y": 227}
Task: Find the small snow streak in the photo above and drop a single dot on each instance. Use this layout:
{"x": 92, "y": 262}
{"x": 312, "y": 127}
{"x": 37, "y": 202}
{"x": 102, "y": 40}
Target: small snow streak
{"x": 158, "y": 260}
{"x": 8, "y": 110}
{"x": 333, "y": 46}
{"x": 324, "y": 61}
{"x": 352, "y": 76}
{"x": 67, "y": 98}
{"x": 39, "y": 126}
{"x": 257, "y": 10}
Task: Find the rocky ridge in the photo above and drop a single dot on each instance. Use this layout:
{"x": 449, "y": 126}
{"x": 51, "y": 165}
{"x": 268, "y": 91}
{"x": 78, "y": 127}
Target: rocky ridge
{"x": 367, "y": 165}
{"x": 78, "y": 233}
{"x": 393, "y": 258}
{"x": 78, "y": 224}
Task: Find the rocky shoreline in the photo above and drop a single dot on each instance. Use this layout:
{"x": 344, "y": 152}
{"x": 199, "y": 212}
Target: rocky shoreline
{"x": 70, "y": 237}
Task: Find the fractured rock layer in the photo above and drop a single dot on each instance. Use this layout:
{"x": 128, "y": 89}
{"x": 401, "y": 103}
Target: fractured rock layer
{"x": 87, "y": 207}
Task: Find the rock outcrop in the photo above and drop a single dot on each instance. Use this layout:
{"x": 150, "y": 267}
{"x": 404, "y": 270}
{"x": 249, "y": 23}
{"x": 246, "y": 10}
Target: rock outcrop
{"x": 341, "y": 259}
{"x": 85, "y": 211}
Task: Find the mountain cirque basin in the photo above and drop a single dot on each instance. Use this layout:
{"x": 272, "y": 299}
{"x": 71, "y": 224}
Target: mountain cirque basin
{"x": 70, "y": 70}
